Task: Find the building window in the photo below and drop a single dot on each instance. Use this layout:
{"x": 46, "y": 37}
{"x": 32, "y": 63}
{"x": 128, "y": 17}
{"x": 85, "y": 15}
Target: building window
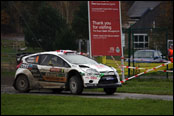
{"x": 141, "y": 41}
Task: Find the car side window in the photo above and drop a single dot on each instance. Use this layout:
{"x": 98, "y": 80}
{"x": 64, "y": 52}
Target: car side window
{"x": 33, "y": 59}
{"x": 156, "y": 54}
{"x": 159, "y": 54}
{"x": 52, "y": 60}
{"x": 45, "y": 59}
{"x": 59, "y": 62}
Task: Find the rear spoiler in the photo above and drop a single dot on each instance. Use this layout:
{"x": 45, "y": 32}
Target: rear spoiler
{"x": 19, "y": 56}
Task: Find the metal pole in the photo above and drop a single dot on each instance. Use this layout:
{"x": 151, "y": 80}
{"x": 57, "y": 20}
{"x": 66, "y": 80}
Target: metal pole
{"x": 80, "y": 45}
{"x": 122, "y": 59}
{"x": 167, "y": 75}
{"x": 88, "y": 47}
{"x": 129, "y": 51}
{"x": 133, "y": 52}
{"x": 89, "y": 30}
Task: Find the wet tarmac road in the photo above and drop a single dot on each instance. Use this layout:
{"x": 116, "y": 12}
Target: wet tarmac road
{"x": 10, "y": 90}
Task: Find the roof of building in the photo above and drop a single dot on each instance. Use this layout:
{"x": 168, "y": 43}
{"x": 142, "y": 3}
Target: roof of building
{"x": 139, "y": 8}
{"x": 149, "y": 19}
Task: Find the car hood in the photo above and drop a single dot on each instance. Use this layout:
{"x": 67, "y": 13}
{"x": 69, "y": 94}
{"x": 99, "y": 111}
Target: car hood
{"x": 98, "y": 67}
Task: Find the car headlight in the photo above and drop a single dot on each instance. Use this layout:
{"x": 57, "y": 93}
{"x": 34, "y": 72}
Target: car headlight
{"x": 92, "y": 72}
{"x": 114, "y": 69}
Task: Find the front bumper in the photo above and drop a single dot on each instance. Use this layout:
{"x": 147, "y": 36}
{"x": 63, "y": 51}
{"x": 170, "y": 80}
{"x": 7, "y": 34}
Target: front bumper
{"x": 112, "y": 85}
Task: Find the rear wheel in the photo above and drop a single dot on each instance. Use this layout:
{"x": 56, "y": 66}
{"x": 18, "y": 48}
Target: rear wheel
{"x": 76, "y": 85}
{"x": 22, "y": 84}
{"x": 110, "y": 91}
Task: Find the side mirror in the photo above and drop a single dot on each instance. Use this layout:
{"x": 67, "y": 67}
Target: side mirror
{"x": 163, "y": 57}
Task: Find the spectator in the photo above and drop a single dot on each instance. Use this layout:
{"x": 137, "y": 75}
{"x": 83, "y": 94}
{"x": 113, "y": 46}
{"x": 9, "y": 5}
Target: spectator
{"x": 170, "y": 53}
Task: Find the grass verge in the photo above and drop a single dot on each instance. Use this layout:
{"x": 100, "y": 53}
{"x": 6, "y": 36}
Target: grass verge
{"x": 144, "y": 86}
{"x": 73, "y": 105}
{"x": 148, "y": 86}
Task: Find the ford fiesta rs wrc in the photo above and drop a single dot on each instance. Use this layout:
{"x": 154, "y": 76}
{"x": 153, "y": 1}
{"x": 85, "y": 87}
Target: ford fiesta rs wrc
{"x": 64, "y": 70}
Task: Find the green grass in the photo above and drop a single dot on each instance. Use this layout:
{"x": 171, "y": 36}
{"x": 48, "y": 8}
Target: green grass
{"x": 148, "y": 86}
{"x": 74, "y": 105}
{"x": 144, "y": 86}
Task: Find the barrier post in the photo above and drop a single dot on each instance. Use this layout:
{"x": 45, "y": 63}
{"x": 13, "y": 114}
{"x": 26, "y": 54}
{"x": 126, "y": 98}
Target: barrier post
{"x": 103, "y": 59}
{"x": 129, "y": 51}
{"x": 167, "y": 75}
{"x": 133, "y": 52}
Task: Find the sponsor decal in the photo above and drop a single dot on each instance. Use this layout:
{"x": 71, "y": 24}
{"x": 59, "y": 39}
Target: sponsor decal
{"x": 30, "y": 66}
{"x": 56, "y": 70}
{"x": 33, "y": 69}
{"x": 87, "y": 77}
{"x": 93, "y": 78}
{"x": 57, "y": 79}
{"x": 24, "y": 66}
{"x": 54, "y": 74}
{"x": 37, "y": 59}
{"x": 109, "y": 78}
{"x": 99, "y": 66}
{"x": 36, "y": 74}
{"x": 27, "y": 66}
{"x": 82, "y": 74}
{"x": 117, "y": 50}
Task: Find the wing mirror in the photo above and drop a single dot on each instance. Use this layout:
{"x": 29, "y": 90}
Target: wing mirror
{"x": 163, "y": 56}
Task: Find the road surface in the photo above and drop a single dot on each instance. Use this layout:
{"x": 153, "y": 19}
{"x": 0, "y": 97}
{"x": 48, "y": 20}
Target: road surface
{"x": 10, "y": 90}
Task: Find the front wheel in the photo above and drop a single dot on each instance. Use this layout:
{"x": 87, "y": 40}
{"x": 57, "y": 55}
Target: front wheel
{"x": 110, "y": 91}
{"x": 76, "y": 85}
{"x": 22, "y": 84}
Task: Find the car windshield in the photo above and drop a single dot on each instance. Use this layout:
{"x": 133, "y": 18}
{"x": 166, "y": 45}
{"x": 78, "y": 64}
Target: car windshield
{"x": 78, "y": 59}
{"x": 144, "y": 54}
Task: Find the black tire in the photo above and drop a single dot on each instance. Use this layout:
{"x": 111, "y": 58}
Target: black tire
{"x": 22, "y": 84}
{"x": 57, "y": 90}
{"x": 110, "y": 91}
{"x": 75, "y": 85}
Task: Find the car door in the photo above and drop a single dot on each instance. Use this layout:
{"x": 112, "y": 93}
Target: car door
{"x": 52, "y": 68}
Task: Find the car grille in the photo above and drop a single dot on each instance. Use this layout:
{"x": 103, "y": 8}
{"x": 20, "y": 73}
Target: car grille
{"x": 108, "y": 79}
{"x": 108, "y": 73}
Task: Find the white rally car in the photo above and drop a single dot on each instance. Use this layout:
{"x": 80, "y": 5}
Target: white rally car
{"x": 64, "y": 70}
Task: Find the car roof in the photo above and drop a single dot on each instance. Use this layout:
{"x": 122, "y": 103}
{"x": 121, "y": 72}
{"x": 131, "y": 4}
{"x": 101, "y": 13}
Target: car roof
{"x": 148, "y": 50}
{"x": 57, "y": 52}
